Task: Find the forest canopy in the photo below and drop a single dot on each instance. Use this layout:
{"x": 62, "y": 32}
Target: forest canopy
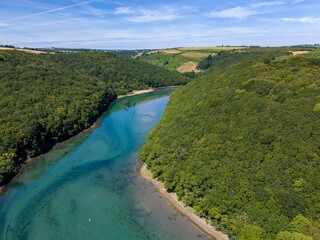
{"x": 241, "y": 145}
{"x": 47, "y": 98}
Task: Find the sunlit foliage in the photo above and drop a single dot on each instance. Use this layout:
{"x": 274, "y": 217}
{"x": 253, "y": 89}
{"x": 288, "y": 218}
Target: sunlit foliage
{"x": 241, "y": 145}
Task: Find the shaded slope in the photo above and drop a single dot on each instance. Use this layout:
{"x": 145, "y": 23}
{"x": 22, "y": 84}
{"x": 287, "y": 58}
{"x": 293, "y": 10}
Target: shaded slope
{"x": 241, "y": 145}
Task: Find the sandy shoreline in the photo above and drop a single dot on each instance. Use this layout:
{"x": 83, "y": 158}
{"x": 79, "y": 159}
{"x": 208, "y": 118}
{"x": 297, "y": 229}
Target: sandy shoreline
{"x": 173, "y": 200}
{"x": 137, "y": 92}
{"x": 149, "y": 90}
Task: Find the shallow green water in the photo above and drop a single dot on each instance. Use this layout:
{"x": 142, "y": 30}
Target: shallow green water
{"x": 95, "y": 179}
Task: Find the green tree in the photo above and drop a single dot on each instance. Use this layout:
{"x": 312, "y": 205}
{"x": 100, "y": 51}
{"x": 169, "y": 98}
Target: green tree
{"x": 252, "y": 232}
{"x": 292, "y": 236}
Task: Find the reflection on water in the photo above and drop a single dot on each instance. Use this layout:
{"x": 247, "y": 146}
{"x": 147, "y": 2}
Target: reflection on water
{"x": 94, "y": 191}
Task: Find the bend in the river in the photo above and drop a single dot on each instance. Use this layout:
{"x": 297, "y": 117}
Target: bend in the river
{"x": 95, "y": 191}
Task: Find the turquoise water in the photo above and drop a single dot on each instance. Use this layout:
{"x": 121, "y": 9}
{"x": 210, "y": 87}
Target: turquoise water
{"x": 90, "y": 188}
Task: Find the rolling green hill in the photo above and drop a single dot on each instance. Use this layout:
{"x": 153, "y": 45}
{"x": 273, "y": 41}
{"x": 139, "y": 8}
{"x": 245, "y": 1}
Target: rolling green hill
{"x": 176, "y": 59}
{"x": 47, "y": 98}
{"x": 241, "y": 145}
{"x": 121, "y": 74}
{"x": 160, "y": 59}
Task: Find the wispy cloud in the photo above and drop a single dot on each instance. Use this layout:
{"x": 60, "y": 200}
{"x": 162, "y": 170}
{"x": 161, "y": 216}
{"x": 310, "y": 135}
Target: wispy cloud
{"x": 302, "y": 20}
{"x": 153, "y": 24}
{"x": 297, "y": 1}
{"x": 141, "y": 15}
{"x": 266, "y": 4}
{"x": 236, "y": 12}
{"x": 2, "y": 24}
{"x": 51, "y": 10}
{"x": 243, "y": 12}
{"x": 124, "y": 10}
{"x": 93, "y": 11}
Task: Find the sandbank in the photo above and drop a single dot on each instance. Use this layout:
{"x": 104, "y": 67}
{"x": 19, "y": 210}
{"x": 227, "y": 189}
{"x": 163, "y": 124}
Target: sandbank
{"x": 137, "y": 92}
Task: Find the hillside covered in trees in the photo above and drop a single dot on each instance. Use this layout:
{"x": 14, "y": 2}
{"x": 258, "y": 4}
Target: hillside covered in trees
{"x": 121, "y": 74}
{"x": 241, "y": 145}
{"x": 47, "y": 98}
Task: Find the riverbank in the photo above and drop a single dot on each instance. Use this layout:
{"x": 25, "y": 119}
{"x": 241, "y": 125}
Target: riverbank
{"x": 33, "y": 160}
{"x": 137, "y": 92}
{"x": 96, "y": 124}
{"x": 188, "y": 212}
{"x": 149, "y": 90}
{"x": 103, "y": 164}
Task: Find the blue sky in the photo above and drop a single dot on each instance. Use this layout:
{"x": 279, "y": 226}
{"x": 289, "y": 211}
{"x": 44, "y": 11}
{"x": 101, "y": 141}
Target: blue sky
{"x": 158, "y": 24}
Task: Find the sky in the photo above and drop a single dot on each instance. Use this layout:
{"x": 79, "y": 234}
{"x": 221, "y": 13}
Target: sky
{"x": 147, "y": 24}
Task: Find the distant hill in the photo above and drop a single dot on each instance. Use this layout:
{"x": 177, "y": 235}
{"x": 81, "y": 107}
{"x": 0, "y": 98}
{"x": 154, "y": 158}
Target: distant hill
{"x": 241, "y": 144}
{"x": 48, "y": 98}
{"x": 184, "y": 60}
{"x": 8, "y": 48}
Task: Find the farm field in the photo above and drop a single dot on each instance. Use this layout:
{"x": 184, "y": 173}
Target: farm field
{"x": 22, "y": 50}
{"x": 179, "y": 59}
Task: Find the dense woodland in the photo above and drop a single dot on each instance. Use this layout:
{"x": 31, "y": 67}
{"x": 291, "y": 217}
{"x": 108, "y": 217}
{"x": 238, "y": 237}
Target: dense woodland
{"x": 241, "y": 144}
{"x": 47, "y": 98}
{"x": 121, "y": 74}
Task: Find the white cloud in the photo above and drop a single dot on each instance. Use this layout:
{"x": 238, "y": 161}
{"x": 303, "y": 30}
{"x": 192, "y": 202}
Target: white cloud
{"x": 236, "y": 12}
{"x": 302, "y": 20}
{"x": 141, "y": 15}
{"x": 243, "y": 12}
{"x": 93, "y": 11}
{"x": 154, "y": 15}
{"x": 266, "y": 4}
{"x": 3, "y": 24}
{"x": 124, "y": 10}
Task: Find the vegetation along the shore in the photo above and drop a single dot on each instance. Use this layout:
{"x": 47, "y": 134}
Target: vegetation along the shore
{"x": 48, "y": 98}
{"x": 241, "y": 145}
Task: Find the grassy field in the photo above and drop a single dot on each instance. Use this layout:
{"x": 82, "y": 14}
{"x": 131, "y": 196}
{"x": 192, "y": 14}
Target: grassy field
{"x": 210, "y": 48}
{"x": 167, "y": 61}
{"x": 171, "y": 51}
{"x": 180, "y": 59}
{"x": 188, "y": 67}
{"x": 23, "y": 50}
{"x": 196, "y": 56}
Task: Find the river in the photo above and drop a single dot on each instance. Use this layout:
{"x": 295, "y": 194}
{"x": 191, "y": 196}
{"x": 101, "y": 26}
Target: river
{"x": 90, "y": 187}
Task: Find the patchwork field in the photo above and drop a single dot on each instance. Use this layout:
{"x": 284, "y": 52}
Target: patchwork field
{"x": 295, "y": 53}
{"x": 228, "y": 48}
{"x": 171, "y": 51}
{"x": 23, "y": 50}
{"x": 188, "y": 67}
{"x": 196, "y": 55}
{"x": 182, "y": 60}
